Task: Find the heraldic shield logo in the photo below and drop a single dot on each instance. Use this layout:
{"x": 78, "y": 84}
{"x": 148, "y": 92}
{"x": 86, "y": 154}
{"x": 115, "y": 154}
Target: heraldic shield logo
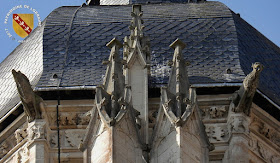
{"x": 23, "y": 24}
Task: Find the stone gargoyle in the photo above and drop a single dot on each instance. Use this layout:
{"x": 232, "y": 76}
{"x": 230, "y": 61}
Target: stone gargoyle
{"x": 30, "y": 100}
{"x": 243, "y": 98}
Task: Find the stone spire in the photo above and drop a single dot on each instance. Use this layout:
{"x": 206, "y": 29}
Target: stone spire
{"x": 114, "y": 79}
{"x": 137, "y": 45}
{"x": 136, "y": 52}
{"x": 176, "y": 99}
{"x": 111, "y": 96}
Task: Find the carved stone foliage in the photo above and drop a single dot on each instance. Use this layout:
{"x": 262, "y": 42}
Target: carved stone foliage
{"x": 36, "y": 130}
{"x": 21, "y": 133}
{"x": 215, "y": 112}
{"x": 4, "y": 149}
{"x": 23, "y": 155}
{"x": 263, "y": 151}
{"x": 53, "y": 140}
{"x": 70, "y": 118}
{"x": 267, "y": 131}
{"x": 217, "y": 132}
{"x": 243, "y": 98}
{"x": 238, "y": 124}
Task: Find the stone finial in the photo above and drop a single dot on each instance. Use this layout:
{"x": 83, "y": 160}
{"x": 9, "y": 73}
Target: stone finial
{"x": 178, "y": 82}
{"x": 114, "y": 79}
{"x": 136, "y": 44}
{"x": 243, "y": 98}
{"x": 30, "y": 100}
{"x": 111, "y": 97}
{"x": 136, "y": 26}
{"x": 176, "y": 99}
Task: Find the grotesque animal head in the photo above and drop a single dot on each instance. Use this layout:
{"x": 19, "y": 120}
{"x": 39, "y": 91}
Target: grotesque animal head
{"x": 257, "y": 67}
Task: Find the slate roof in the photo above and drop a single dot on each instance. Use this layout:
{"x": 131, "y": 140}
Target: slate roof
{"x": 74, "y": 40}
{"x": 217, "y": 40}
{"x": 27, "y": 58}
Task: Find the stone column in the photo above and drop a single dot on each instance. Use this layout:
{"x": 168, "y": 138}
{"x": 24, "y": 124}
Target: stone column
{"x": 238, "y": 150}
{"x": 37, "y": 141}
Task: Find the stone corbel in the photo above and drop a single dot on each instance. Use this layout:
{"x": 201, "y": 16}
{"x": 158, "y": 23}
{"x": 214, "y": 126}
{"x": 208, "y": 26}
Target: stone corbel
{"x": 37, "y": 130}
{"x": 30, "y": 100}
{"x": 243, "y": 98}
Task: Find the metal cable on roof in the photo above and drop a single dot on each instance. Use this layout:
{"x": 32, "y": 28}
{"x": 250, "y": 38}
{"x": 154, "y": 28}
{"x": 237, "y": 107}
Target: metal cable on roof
{"x": 67, "y": 43}
{"x": 59, "y": 80}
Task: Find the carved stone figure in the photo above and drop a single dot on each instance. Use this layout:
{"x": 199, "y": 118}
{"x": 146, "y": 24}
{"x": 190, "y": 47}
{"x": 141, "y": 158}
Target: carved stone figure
{"x": 243, "y": 98}
{"x": 30, "y": 100}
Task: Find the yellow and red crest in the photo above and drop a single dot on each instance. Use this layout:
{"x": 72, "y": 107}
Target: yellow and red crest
{"x": 23, "y": 24}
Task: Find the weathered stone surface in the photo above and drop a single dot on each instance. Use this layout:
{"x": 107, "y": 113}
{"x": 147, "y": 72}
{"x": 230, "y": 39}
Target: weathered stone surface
{"x": 30, "y": 100}
{"x": 243, "y": 99}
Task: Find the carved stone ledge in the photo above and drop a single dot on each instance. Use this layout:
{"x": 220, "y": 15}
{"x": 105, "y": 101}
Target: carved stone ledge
{"x": 23, "y": 155}
{"x": 9, "y": 144}
{"x": 70, "y": 119}
{"x": 270, "y": 133}
{"x": 261, "y": 150}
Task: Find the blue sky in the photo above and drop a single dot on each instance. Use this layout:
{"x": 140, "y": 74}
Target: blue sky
{"x": 263, "y": 15}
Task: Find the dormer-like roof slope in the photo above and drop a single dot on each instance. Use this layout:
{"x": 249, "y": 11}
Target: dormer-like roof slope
{"x": 218, "y": 42}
